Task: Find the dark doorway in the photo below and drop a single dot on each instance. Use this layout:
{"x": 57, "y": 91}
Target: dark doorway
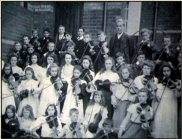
{"x": 70, "y": 15}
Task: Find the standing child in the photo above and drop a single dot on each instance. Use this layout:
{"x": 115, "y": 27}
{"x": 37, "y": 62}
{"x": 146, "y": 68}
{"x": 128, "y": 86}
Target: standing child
{"x": 122, "y": 96}
{"x": 75, "y": 95}
{"x": 29, "y": 90}
{"x": 26, "y": 42}
{"x": 95, "y": 114}
{"x": 136, "y": 122}
{"x": 15, "y": 69}
{"x": 107, "y": 131}
{"x": 67, "y": 67}
{"x": 103, "y": 80}
{"x": 25, "y": 120}
{"x": 51, "y": 86}
{"x": 165, "y": 120}
{"x": 35, "y": 40}
{"x": 74, "y": 129}
{"x": 102, "y": 51}
{"x": 49, "y": 121}
{"x": 10, "y": 124}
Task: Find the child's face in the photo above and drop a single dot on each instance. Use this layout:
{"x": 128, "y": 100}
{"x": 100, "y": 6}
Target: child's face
{"x": 9, "y": 113}
{"x": 141, "y": 58}
{"x": 102, "y": 37}
{"x": 61, "y": 30}
{"x": 7, "y": 70}
{"x": 51, "y": 111}
{"x": 26, "y": 113}
{"x": 26, "y": 40}
{"x": 145, "y": 36}
{"x": 142, "y": 96}
{"x": 80, "y": 32}
{"x": 46, "y": 34}
{"x": 13, "y": 61}
{"x": 50, "y": 60}
{"x": 35, "y": 33}
{"x": 30, "y": 50}
{"x": 120, "y": 59}
{"x": 86, "y": 38}
{"x": 167, "y": 41}
{"x": 76, "y": 73}
{"x": 34, "y": 59}
{"x": 146, "y": 70}
{"x": 108, "y": 64}
{"x": 86, "y": 64}
{"x": 166, "y": 72}
{"x": 18, "y": 47}
{"x": 107, "y": 128}
{"x": 70, "y": 48}
{"x": 51, "y": 47}
{"x": 125, "y": 73}
{"x": 74, "y": 117}
{"x": 54, "y": 71}
{"x": 68, "y": 37}
{"x": 29, "y": 74}
{"x": 97, "y": 98}
{"x": 68, "y": 59}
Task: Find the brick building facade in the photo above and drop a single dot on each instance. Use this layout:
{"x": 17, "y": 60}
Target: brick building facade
{"x": 19, "y": 18}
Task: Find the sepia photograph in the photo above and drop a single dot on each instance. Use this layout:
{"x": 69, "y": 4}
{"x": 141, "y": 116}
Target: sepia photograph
{"x": 90, "y": 69}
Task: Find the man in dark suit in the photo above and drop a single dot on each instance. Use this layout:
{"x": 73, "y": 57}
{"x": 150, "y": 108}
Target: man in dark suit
{"x": 121, "y": 42}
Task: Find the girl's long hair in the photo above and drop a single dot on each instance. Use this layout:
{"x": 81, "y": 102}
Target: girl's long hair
{"x": 53, "y": 65}
{"x": 102, "y": 101}
{"x": 52, "y": 105}
{"x": 87, "y": 57}
{"x": 32, "y": 71}
{"x": 30, "y": 109}
{"x": 12, "y": 108}
{"x": 4, "y": 75}
{"x": 113, "y": 68}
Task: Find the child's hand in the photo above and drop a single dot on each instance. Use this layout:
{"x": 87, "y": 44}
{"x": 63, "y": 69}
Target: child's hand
{"x": 114, "y": 101}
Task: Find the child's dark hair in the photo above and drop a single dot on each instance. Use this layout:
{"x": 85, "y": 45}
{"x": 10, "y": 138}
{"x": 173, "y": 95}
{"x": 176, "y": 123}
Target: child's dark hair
{"x": 87, "y": 33}
{"x": 73, "y": 110}
{"x": 144, "y": 30}
{"x": 46, "y": 30}
{"x": 17, "y": 42}
{"x": 30, "y": 109}
{"x": 26, "y": 36}
{"x": 102, "y": 101}
{"x": 12, "y": 108}
{"x": 140, "y": 53}
{"x": 13, "y": 55}
{"x": 78, "y": 67}
{"x": 125, "y": 67}
{"x": 118, "y": 54}
{"x": 32, "y": 71}
{"x": 38, "y": 57}
{"x": 61, "y": 26}
{"x": 34, "y": 30}
{"x": 51, "y": 105}
{"x": 87, "y": 57}
{"x": 144, "y": 90}
{"x": 108, "y": 121}
{"x": 70, "y": 44}
{"x": 7, "y": 65}
{"x": 166, "y": 36}
{"x": 100, "y": 32}
{"x": 81, "y": 28}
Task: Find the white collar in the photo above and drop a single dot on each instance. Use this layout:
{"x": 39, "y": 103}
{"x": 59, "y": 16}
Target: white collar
{"x": 80, "y": 38}
{"x": 119, "y": 35}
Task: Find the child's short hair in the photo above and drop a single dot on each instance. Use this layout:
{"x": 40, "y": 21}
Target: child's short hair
{"x": 70, "y": 44}
{"x": 51, "y": 43}
{"x": 17, "y": 42}
{"x": 47, "y": 30}
{"x": 144, "y": 90}
{"x": 34, "y": 30}
{"x": 100, "y": 32}
{"x": 26, "y": 36}
{"x": 87, "y": 33}
{"x": 144, "y": 30}
{"x": 81, "y": 28}
{"x": 73, "y": 110}
{"x": 78, "y": 67}
{"x": 61, "y": 26}
{"x": 108, "y": 121}
{"x": 68, "y": 33}
{"x": 140, "y": 53}
{"x": 166, "y": 36}
{"x": 30, "y": 46}
{"x": 52, "y": 105}
{"x": 30, "y": 109}
{"x": 149, "y": 64}
{"x": 118, "y": 54}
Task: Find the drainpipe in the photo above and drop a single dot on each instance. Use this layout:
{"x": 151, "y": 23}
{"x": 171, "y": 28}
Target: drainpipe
{"x": 155, "y": 21}
{"x": 105, "y": 14}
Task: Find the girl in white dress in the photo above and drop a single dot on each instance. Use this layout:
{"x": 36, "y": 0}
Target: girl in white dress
{"x": 74, "y": 98}
{"x": 96, "y": 106}
{"x": 29, "y": 89}
{"x": 103, "y": 80}
{"x": 25, "y": 120}
{"x": 50, "y": 123}
{"x": 165, "y": 118}
{"x": 49, "y": 93}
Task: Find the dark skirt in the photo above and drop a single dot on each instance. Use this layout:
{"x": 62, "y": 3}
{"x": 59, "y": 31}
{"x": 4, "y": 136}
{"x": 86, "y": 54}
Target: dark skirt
{"x": 134, "y": 130}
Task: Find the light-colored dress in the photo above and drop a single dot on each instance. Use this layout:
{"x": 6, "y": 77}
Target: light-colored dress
{"x": 70, "y": 102}
{"x": 48, "y": 95}
{"x": 165, "y": 119}
{"x": 31, "y": 100}
{"x": 7, "y": 97}
{"x": 25, "y": 123}
{"x": 46, "y": 131}
{"x": 16, "y": 69}
{"x": 90, "y": 117}
{"x": 67, "y": 72}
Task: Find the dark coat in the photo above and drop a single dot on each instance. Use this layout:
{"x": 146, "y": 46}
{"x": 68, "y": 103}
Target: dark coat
{"x": 126, "y": 46}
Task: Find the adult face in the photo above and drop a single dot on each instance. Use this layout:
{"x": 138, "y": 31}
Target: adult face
{"x": 61, "y": 30}
{"x": 119, "y": 27}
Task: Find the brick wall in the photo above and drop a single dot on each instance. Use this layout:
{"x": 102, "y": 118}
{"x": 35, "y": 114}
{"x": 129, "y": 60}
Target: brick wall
{"x": 14, "y": 24}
